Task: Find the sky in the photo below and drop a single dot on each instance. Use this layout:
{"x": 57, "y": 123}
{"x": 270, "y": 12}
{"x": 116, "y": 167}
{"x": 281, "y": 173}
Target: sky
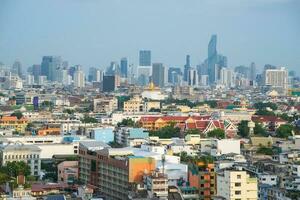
{"x": 95, "y": 32}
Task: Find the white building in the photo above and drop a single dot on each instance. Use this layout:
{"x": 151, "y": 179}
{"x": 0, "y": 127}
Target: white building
{"x": 217, "y": 147}
{"x": 236, "y": 184}
{"x": 20, "y": 152}
{"x": 277, "y": 79}
{"x": 79, "y": 79}
{"x": 227, "y": 77}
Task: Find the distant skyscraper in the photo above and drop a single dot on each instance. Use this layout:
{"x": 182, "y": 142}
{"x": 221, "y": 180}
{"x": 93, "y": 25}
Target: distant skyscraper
{"x": 109, "y": 83}
{"x": 124, "y": 67}
{"x": 212, "y": 58}
{"x": 49, "y": 67}
{"x": 227, "y": 77}
{"x": 158, "y": 74}
{"x": 92, "y": 74}
{"x": 187, "y": 66}
{"x": 17, "y": 68}
{"x": 173, "y": 75}
{"x": 145, "y": 58}
{"x": 113, "y": 69}
{"x": 252, "y": 71}
{"x": 144, "y": 73}
{"x": 79, "y": 79}
{"x": 277, "y": 79}
{"x": 36, "y": 72}
{"x": 192, "y": 78}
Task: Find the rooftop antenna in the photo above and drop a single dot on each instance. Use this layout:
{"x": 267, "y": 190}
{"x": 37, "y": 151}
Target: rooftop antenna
{"x": 163, "y": 160}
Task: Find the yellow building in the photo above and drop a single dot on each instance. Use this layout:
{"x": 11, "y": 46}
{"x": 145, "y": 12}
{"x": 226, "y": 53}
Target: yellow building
{"x": 148, "y": 105}
{"x": 236, "y": 184}
{"x": 133, "y": 105}
{"x": 12, "y": 122}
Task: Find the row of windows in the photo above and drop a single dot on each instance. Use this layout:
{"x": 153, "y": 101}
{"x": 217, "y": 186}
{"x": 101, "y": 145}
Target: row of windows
{"x": 21, "y": 156}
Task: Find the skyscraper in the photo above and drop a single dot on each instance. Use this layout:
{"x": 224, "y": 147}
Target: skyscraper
{"x": 109, "y": 83}
{"x": 145, "y": 58}
{"x": 212, "y": 58}
{"x": 17, "y": 68}
{"x": 79, "y": 79}
{"x": 173, "y": 75}
{"x": 187, "y": 66}
{"x": 124, "y": 67}
{"x": 49, "y": 67}
{"x": 158, "y": 74}
{"x": 252, "y": 71}
{"x": 36, "y": 72}
{"x": 277, "y": 79}
{"x": 193, "y": 79}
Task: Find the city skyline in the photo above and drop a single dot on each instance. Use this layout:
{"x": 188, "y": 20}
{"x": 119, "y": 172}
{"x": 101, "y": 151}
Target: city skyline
{"x": 83, "y": 40}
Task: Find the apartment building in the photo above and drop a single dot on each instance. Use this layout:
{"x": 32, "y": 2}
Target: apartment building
{"x": 236, "y": 185}
{"x": 20, "y": 152}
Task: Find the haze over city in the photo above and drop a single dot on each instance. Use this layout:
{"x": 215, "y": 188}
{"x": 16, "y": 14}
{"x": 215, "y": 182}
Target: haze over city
{"x": 94, "y": 33}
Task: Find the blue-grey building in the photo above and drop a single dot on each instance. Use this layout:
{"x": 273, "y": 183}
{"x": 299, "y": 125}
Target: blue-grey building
{"x": 124, "y": 67}
{"x": 131, "y": 136}
{"x": 105, "y": 135}
{"x": 145, "y": 58}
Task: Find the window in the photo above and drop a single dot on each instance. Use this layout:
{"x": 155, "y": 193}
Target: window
{"x": 238, "y": 176}
{"x": 238, "y": 192}
{"x": 237, "y": 184}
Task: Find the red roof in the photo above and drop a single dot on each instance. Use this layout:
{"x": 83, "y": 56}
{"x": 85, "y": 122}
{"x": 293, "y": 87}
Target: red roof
{"x": 265, "y": 118}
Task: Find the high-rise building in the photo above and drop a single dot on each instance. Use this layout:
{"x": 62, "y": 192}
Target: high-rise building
{"x": 17, "y": 68}
{"x": 277, "y": 79}
{"x": 252, "y": 71}
{"x": 192, "y": 78}
{"x": 212, "y": 58}
{"x": 227, "y": 77}
{"x": 236, "y": 184}
{"x": 79, "y": 79}
{"x": 158, "y": 74}
{"x": 124, "y": 67}
{"x": 145, "y": 58}
{"x": 144, "y": 74}
{"x": 92, "y": 74}
{"x": 109, "y": 83}
{"x": 49, "y": 67}
{"x": 187, "y": 66}
{"x": 174, "y": 74}
{"x": 36, "y": 72}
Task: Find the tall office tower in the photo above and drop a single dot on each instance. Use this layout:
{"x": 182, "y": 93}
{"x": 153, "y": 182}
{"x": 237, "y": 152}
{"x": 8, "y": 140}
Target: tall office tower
{"x": 145, "y": 58}
{"x": 252, "y": 71}
{"x": 79, "y": 79}
{"x": 64, "y": 77}
{"x": 109, "y": 83}
{"x": 192, "y": 78}
{"x": 113, "y": 69}
{"x": 144, "y": 73}
{"x": 124, "y": 67}
{"x": 173, "y": 75}
{"x": 212, "y": 58}
{"x": 92, "y": 74}
{"x": 236, "y": 184}
{"x": 277, "y": 79}
{"x": 187, "y": 66}
{"x": 17, "y": 68}
{"x": 158, "y": 74}
{"x": 49, "y": 67}
{"x": 227, "y": 77}
{"x": 99, "y": 75}
{"x": 243, "y": 71}
{"x": 36, "y": 72}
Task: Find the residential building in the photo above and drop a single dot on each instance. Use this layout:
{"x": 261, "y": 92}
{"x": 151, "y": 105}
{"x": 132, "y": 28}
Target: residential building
{"x": 236, "y": 184}
{"x": 67, "y": 172}
{"x": 79, "y": 79}
{"x": 135, "y": 104}
{"x": 156, "y": 185}
{"x": 12, "y": 122}
{"x": 30, "y": 154}
{"x": 131, "y": 136}
{"x": 105, "y": 104}
{"x": 277, "y": 79}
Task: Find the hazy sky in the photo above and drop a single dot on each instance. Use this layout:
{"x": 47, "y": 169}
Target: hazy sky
{"x": 95, "y": 32}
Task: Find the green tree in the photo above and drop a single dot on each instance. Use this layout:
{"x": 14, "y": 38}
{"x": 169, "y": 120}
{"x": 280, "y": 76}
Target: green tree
{"x": 259, "y": 130}
{"x": 265, "y": 112}
{"x": 284, "y": 131}
{"x": 15, "y": 168}
{"x": 263, "y": 106}
{"x": 243, "y": 129}
{"x": 4, "y": 178}
{"x": 217, "y": 133}
{"x": 166, "y": 132}
{"x": 87, "y": 119}
{"x": 265, "y": 150}
{"x": 17, "y": 114}
{"x": 69, "y": 111}
{"x": 126, "y": 122}
{"x": 193, "y": 131}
